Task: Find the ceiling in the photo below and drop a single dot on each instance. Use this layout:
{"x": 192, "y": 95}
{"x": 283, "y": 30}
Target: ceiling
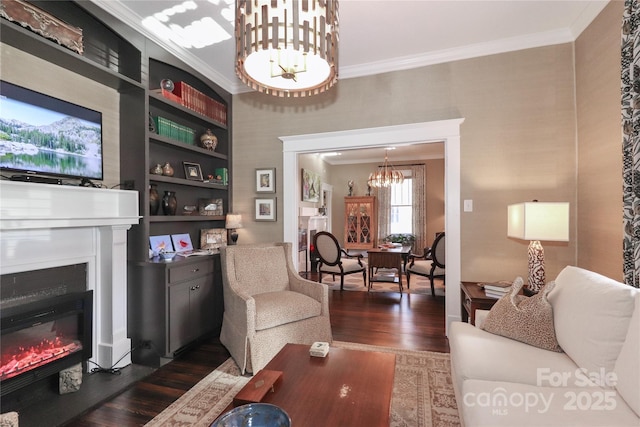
{"x": 378, "y": 36}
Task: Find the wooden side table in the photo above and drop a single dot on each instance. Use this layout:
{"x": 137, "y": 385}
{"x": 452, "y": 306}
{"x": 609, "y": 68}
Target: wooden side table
{"x": 472, "y": 298}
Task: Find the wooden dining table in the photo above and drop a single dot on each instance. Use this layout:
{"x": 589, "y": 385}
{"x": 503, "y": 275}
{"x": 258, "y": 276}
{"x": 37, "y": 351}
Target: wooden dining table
{"x": 387, "y": 258}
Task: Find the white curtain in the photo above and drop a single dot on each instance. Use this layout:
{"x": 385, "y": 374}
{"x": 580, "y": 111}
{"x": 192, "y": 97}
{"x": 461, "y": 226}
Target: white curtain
{"x": 419, "y": 196}
{"x": 384, "y": 212}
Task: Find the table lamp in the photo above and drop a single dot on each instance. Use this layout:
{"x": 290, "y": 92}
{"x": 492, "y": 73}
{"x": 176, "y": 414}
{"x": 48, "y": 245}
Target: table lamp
{"x": 535, "y": 221}
{"x": 233, "y": 222}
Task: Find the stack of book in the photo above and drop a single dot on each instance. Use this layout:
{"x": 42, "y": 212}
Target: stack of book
{"x": 173, "y": 130}
{"x": 497, "y": 289}
{"x": 197, "y": 101}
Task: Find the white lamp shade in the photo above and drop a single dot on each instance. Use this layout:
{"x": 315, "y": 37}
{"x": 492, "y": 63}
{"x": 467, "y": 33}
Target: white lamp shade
{"x": 539, "y": 221}
{"x": 233, "y": 221}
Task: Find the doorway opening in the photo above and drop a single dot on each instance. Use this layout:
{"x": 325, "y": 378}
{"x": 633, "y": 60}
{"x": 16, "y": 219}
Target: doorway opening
{"x": 447, "y": 131}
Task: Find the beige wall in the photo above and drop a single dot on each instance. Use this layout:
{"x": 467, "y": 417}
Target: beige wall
{"x": 600, "y": 144}
{"x": 517, "y": 142}
{"x": 37, "y": 74}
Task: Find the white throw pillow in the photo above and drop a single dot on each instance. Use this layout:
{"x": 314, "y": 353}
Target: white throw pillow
{"x": 591, "y": 314}
{"x": 627, "y": 366}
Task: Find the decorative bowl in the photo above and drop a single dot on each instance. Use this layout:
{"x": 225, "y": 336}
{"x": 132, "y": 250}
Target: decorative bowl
{"x": 167, "y": 256}
{"x": 254, "y": 414}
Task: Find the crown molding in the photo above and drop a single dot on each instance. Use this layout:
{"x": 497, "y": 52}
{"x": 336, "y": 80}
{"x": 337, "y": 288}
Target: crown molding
{"x": 457, "y": 54}
{"x": 587, "y": 16}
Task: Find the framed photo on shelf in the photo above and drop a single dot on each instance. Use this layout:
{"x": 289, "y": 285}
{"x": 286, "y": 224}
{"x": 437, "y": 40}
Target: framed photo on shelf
{"x": 266, "y": 180}
{"x": 182, "y": 242}
{"x": 213, "y": 238}
{"x": 192, "y": 171}
{"x": 265, "y": 209}
{"x": 210, "y": 207}
{"x": 160, "y": 243}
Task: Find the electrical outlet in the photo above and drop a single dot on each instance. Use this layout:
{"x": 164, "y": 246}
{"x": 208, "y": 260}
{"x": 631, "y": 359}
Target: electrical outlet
{"x": 129, "y": 184}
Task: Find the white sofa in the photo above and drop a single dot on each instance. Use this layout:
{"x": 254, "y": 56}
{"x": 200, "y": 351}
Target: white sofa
{"x": 595, "y": 382}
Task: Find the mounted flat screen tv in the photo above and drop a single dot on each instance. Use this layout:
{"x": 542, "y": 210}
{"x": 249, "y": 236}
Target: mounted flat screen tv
{"x": 42, "y": 135}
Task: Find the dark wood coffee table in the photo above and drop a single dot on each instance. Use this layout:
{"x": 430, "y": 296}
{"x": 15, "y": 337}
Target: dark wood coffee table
{"x": 346, "y": 388}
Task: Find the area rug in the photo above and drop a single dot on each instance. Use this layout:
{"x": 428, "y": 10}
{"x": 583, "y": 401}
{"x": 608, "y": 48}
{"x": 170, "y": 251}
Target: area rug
{"x": 353, "y": 282}
{"x": 422, "y": 392}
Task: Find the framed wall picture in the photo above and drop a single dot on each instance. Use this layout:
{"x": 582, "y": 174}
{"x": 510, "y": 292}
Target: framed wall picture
{"x": 182, "y": 242}
{"x": 266, "y": 180}
{"x": 210, "y": 207}
{"x": 192, "y": 171}
{"x": 310, "y": 186}
{"x": 213, "y": 238}
{"x": 265, "y": 209}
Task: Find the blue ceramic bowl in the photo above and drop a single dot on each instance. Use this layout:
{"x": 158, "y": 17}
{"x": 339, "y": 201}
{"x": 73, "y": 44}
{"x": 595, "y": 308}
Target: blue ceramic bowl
{"x": 254, "y": 415}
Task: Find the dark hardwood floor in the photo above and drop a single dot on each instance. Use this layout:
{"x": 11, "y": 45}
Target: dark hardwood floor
{"x": 414, "y": 322}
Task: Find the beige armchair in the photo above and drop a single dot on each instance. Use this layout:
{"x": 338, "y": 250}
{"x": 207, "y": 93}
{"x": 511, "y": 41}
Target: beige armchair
{"x": 267, "y": 304}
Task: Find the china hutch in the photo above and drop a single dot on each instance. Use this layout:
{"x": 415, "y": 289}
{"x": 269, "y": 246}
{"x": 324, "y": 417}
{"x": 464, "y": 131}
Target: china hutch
{"x": 361, "y": 222}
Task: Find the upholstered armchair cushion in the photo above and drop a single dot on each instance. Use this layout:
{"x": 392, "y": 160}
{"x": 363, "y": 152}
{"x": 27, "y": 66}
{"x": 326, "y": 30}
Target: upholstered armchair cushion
{"x": 423, "y": 268}
{"x": 348, "y": 265}
{"x": 278, "y": 308}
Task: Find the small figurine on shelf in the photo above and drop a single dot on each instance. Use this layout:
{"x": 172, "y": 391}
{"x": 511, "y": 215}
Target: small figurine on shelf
{"x": 167, "y": 169}
{"x": 350, "y": 184}
{"x": 368, "y": 190}
{"x": 156, "y": 170}
{"x": 208, "y": 140}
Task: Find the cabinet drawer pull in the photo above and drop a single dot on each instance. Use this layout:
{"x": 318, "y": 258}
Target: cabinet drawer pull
{"x": 195, "y": 270}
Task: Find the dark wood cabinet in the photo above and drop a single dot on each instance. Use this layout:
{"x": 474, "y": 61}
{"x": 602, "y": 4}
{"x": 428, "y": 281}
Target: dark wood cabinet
{"x": 190, "y": 313}
{"x": 360, "y": 222}
{"x": 181, "y": 304}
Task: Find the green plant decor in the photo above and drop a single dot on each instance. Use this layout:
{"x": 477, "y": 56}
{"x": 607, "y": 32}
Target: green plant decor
{"x": 405, "y": 239}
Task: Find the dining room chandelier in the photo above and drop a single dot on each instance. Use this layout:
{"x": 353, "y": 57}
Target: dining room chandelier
{"x": 385, "y": 176}
{"x": 287, "y": 48}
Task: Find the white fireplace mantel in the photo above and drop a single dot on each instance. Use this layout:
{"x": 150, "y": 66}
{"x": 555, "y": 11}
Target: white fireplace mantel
{"x": 45, "y": 226}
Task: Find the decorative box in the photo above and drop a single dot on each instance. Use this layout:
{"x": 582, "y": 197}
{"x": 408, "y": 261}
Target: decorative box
{"x": 41, "y": 22}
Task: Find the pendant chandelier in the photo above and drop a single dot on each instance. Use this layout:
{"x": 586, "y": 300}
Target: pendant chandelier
{"x": 385, "y": 176}
{"x": 287, "y": 48}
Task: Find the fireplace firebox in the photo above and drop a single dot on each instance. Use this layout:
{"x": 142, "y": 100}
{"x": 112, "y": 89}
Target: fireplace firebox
{"x": 42, "y": 338}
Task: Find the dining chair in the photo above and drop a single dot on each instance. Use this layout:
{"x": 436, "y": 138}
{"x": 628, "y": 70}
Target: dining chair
{"x": 430, "y": 264}
{"x": 335, "y": 260}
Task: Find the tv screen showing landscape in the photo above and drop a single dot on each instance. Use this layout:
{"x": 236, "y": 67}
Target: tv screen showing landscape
{"x": 43, "y": 135}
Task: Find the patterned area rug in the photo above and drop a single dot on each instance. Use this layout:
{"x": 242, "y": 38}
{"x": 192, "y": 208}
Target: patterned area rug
{"x": 422, "y": 392}
{"x": 354, "y": 282}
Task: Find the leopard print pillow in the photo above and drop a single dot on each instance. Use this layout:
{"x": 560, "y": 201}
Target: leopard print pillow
{"x": 525, "y": 319}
